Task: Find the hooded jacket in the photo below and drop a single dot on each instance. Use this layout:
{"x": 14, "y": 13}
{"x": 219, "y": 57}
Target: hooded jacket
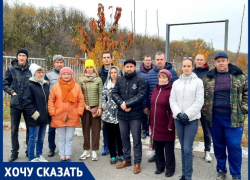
{"x": 238, "y": 95}
{"x": 16, "y": 80}
{"x": 130, "y": 89}
{"x": 109, "y": 107}
{"x": 152, "y": 80}
{"x": 103, "y": 75}
{"x": 35, "y": 98}
{"x": 141, "y": 70}
{"x": 187, "y": 96}
{"x": 59, "y": 110}
{"x": 161, "y": 117}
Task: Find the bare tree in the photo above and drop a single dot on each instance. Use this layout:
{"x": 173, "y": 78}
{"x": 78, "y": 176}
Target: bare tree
{"x": 157, "y": 22}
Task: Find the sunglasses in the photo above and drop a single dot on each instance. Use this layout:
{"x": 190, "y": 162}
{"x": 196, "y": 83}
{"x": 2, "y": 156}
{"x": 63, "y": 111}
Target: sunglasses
{"x": 184, "y": 58}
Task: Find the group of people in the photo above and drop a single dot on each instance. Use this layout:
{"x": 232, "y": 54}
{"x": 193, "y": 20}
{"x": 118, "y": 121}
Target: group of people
{"x": 151, "y": 96}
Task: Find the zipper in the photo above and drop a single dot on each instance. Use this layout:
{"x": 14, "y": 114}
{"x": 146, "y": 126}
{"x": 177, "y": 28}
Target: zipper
{"x": 45, "y": 99}
{"x": 155, "y": 113}
{"x": 183, "y": 96}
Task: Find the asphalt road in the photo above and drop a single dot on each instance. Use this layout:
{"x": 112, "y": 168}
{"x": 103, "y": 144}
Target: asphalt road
{"x": 103, "y": 170}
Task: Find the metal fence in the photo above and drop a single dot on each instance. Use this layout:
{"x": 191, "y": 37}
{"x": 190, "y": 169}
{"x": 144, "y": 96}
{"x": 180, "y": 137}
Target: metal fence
{"x": 78, "y": 69}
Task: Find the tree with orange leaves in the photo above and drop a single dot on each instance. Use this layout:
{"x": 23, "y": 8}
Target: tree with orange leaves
{"x": 242, "y": 63}
{"x": 102, "y": 38}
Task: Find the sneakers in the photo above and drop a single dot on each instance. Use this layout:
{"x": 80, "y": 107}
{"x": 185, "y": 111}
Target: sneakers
{"x": 144, "y": 134}
{"x": 105, "y": 150}
{"x": 207, "y": 157}
{"x": 84, "y": 155}
{"x": 34, "y": 160}
{"x": 94, "y": 156}
{"x": 113, "y": 160}
{"x": 221, "y": 175}
{"x": 41, "y": 159}
{"x": 235, "y": 178}
{"x": 120, "y": 158}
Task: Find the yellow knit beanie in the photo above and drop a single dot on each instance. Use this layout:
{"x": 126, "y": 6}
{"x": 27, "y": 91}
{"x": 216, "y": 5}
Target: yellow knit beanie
{"x": 89, "y": 62}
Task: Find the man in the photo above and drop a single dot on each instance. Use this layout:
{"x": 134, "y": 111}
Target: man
{"x": 14, "y": 83}
{"x": 128, "y": 94}
{"x": 225, "y": 109}
{"x": 52, "y": 78}
{"x": 152, "y": 80}
{"x": 144, "y": 68}
{"x": 103, "y": 73}
{"x": 201, "y": 69}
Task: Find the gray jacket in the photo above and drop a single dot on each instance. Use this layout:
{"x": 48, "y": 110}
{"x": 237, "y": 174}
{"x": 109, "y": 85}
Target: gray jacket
{"x": 52, "y": 77}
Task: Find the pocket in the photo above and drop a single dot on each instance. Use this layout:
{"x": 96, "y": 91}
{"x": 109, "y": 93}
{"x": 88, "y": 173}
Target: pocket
{"x": 14, "y": 100}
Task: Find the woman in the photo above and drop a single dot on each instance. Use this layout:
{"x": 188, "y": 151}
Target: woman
{"x": 186, "y": 101}
{"x": 91, "y": 85}
{"x": 162, "y": 124}
{"x": 109, "y": 115}
{"x": 35, "y": 101}
{"x": 66, "y": 104}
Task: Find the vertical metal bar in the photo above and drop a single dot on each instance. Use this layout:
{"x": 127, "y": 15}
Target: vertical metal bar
{"x": 167, "y": 42}
{"x": 226, "y": 35}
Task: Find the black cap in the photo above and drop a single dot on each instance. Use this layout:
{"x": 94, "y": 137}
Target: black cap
{"x": 130, "y": 61}
{"x": 22, "y": 51}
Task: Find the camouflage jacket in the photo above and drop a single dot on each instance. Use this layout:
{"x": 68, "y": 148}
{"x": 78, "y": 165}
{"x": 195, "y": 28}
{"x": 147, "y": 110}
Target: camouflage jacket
{"x": 16, "y": 80}
{"x": 238, "y": 95}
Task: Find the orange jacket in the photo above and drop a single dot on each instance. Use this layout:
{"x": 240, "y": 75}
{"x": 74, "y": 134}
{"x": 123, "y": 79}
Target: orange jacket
{"x": 60, "y": 110}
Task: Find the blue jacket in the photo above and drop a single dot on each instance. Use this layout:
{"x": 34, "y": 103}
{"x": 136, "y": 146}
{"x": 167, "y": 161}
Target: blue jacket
{"x": 141, "y": 70}
{"x": 152, "y": 80}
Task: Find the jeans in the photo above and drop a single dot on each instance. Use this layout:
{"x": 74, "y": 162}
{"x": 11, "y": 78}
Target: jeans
{"x": 225, "y": 137}
{"x": 51, "y": 138}
{"x": 65, "y": 139}
{"x": 186, "y": 134}
{"x": 15, "y": 121}
{"x": 105, "y": 136}
{"x": 135, "y": 127}
{"x": 36, "y": 138}
{"x": 206, "y": 134}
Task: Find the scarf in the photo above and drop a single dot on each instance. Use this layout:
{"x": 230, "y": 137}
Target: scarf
{"x": 67, "y": 94}
{"x": 89, "y": 77}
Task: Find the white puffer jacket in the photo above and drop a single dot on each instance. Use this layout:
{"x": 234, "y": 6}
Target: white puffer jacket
{"x": 187, "y": 96}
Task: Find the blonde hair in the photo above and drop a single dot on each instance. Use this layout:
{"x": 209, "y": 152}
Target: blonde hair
{"x": 95, "y": 71}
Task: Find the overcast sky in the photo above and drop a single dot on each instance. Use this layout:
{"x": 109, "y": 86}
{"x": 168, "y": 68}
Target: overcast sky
{"x": 172, "y": 12}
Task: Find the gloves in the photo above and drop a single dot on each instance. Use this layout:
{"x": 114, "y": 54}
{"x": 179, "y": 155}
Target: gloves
{"x": 183, "y": 118}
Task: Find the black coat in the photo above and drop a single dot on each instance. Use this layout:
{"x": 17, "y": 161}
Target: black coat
{"x": 35, "y": 98}
{"x": 132, "y": 90}
{"x": 16, "y": 80}
{"x": 201, "y": 72}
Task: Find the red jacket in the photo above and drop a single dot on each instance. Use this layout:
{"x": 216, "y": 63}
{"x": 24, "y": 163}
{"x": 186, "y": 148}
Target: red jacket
{"x": 161, "y": 118}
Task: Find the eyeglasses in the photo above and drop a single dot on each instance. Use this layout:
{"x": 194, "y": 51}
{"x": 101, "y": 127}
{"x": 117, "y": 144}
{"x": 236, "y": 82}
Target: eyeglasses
{"x": 184, "y": 58}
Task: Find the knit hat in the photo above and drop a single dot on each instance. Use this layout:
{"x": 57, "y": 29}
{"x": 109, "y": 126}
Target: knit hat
{"x": 66, "y": 70}
{"x": 89, "y": 62}
{"x": 58, "y": 57}
{"x": 167, "y": 72}
{"x": 33, "y": 68}
{"x": 129, "y": 61}
{"x": 22, "y": 51}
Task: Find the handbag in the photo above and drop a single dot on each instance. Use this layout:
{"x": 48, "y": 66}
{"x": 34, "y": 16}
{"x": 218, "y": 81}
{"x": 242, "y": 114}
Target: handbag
{"x": 93, "y": 110}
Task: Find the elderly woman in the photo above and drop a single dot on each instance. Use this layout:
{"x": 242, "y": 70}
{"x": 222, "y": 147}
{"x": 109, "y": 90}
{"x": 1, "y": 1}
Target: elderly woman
{"x": 66, "y": 104}
{"x": 162, "y": 124}
{"x": 91, "y": 85}
{"x": 186, "y": 101}
{"x": 109, "y": 115}
{"x": 35, "y": 101}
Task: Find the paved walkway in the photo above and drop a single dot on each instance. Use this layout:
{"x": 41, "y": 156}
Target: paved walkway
{"x": 103, "y": 170}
